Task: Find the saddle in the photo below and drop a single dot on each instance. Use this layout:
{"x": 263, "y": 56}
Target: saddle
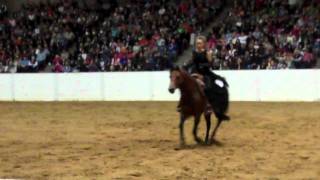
{"x": 199, "y": 79}
{"x": 215, "y": 83}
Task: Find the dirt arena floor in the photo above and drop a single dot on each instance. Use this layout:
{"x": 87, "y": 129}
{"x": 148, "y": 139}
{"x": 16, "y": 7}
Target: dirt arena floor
{"x": 137, "y": 140}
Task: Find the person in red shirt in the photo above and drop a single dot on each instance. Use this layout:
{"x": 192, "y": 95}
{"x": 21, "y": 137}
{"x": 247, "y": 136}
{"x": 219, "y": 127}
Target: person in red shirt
{"x": 183, "y": 7}
{"x": 296, "y": 31}
{"x": 259, "y": 4}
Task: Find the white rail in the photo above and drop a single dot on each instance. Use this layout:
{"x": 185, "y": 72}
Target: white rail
{"x": 262, "y": 85}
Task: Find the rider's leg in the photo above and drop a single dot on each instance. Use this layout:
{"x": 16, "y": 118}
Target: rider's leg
{"x": 200, "y": 80}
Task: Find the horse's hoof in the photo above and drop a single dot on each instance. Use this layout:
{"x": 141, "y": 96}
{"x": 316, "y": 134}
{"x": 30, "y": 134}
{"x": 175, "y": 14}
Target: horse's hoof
{"x": 180, "y": 147}
{"x": 182, "y": 143}
{"x": 199, "y": 141}
{"x": 215, "y": 142}
{"x": 212, "y": 141}
{"x": 208, "y": 143}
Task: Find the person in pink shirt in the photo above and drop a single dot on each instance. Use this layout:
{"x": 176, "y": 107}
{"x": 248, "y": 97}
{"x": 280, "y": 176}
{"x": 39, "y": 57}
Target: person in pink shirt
{"x": 308, "y": 59}
{"x": 57, "y": 60}
{"x": 115, "y": 62}
{"x": 58, "y": 68}
{"x": 212, "y": 42}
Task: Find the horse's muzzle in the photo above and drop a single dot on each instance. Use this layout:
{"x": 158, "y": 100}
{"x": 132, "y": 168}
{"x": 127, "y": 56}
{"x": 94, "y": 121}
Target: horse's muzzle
{"x": 171, "y": 90}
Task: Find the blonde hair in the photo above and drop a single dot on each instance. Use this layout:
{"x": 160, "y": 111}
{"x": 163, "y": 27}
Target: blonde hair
{"x": 202, "y": 38}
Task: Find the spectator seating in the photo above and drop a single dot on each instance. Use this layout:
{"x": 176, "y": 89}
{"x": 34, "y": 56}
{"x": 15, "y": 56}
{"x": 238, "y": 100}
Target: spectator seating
{"x": 67, "y": 37}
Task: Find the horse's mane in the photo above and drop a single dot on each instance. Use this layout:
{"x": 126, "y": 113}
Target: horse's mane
{"x": 185, "y": 74}
{"x": 189, "y": 78}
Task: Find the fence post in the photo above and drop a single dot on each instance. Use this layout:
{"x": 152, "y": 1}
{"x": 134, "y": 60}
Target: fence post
{"x": 13, "y": 98}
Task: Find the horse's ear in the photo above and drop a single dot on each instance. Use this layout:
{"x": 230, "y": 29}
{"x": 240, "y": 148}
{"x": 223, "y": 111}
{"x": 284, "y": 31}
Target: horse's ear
{"x": 175, "y": 68}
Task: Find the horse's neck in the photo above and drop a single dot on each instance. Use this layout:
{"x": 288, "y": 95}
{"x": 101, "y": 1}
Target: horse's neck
{"x": 189, "y": 87}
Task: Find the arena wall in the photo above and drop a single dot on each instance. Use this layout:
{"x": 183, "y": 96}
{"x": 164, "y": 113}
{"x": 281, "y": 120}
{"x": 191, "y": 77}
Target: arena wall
{"x": 262, "y": 85}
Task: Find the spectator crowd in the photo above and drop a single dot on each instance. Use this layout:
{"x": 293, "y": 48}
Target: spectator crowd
{"x": 267, "y": 34}
{"x": 69, "y": 36}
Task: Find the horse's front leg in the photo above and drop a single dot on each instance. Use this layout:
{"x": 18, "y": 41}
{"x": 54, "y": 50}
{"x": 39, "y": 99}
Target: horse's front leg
{"x": 179, "y": 107}
{"x": 181, "y": 127}
{"x": 195, "y": 129}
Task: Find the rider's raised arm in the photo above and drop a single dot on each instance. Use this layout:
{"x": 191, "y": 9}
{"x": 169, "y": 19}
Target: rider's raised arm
{"x": 210, "y": 55}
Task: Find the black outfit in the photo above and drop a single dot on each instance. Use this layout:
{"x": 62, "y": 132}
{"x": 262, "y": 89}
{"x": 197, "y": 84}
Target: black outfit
{"x": 216, "y": 87}
{"x": 201, "y": 63}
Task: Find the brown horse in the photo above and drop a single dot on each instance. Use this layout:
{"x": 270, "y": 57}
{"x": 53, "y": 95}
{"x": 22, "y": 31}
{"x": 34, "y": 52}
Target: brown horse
{"x": 193, "y": 102}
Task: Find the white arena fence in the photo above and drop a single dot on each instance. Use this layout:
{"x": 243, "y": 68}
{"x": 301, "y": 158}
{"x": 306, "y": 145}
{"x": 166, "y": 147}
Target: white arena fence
{"x": 245, "y": 85}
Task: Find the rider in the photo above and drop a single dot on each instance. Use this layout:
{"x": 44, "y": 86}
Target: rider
{"x": 201, "y": 57}
{"x": 200, "y": 68}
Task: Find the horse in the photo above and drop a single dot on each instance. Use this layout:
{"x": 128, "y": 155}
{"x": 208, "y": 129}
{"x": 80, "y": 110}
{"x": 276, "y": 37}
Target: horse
{"x": 193, "y": 102}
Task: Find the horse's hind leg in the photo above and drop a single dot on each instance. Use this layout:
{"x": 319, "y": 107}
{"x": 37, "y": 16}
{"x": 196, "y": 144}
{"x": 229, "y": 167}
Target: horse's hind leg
{"x": 195, "y": 129}
{"x": 181, "y": 127}
{"x": 215, "y": 131}
{"x": 208, "y": 122}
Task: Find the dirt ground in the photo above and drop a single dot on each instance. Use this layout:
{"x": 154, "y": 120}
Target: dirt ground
{"x": 137, "y": 140}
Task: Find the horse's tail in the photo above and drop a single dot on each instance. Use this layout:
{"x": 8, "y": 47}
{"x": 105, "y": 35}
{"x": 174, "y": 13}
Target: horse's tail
{"x": 223, "y": 117}
{"x": 222, "y": 106}
{"x": 225, "y": 81}
{"x": 219, "y": 98}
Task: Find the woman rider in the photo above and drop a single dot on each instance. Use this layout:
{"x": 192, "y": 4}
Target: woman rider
{"x": 215, "y": 87}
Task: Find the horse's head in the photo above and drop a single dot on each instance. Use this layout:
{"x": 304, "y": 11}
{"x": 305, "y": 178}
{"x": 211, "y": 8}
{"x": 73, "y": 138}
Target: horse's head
{"x": 176, "y": 79}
